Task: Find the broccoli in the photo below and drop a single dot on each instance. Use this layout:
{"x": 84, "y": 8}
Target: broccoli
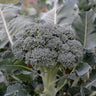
{"x": 48, "y": 47}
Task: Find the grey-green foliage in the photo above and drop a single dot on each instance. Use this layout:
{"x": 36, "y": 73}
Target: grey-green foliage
{"x": 84, "y": 25}
{"x": 43, "y": 44}
{"x": 7, "y": 54}
{"x": 14, "y": 21}
{"x": 86, "y": 5}
{"x": 16, "y": 90}
{"x": 50, "y": 2}
{"x": 65, "y": 12}
{"x": 2, "y": 78}
{"x": 10, "y": 12}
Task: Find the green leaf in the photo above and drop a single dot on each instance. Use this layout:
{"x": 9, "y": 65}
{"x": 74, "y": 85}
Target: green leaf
{"x": 92, "y": 84}
{"x": 62, "y": 13}
{"x": 11, "y": 65}
{"x": 84, "y": 25}
{"x": 61, "y": 83}
{"x": 9, "y": 13}
{"x": 86, "y": 5}
{"x": 24, "y": 77}
{"x": 50, "y": 2}
{"x": 19, "y": 3}
{"x": 89, "y": 57}
{"x": 41, "y": 2}
{"x": 93, "y": 75}
{"x": 16, "y": 90}
{"x": 75, "y": 91}
{"x": 82, "y": 68}
{"x": 15, "y": 23}
{"x": 2, "y": 86}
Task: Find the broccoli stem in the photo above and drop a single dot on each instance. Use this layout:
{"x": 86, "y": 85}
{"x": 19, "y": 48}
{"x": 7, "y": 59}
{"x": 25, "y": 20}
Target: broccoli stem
{"x": 49, "y": 78}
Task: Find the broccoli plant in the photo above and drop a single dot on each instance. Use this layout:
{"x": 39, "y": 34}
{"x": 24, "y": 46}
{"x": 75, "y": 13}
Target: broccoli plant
{"x": 48, "y": 47}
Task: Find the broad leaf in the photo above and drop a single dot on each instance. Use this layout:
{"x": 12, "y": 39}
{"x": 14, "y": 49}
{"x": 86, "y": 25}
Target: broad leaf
{"x": 49, "y": 2}
{"x": 86, "y": 5}
{"x": 15, "y": 23}
{"x": 3, "y": 88}
{"x": 16, "y": 90}
{"x": 24, "y": 77}
{"x": 82, "y": 68}
{"x": 89, "y": 57}
{"x": 84, "y": 25}
{"x": 62, "y": 13}
{"x": 9, "y": 12}
{"x": 75, "y": 91}
{"x": 19, "y": 3}
{"x": 92, "y": 77}
{"x": 10, "y": 66}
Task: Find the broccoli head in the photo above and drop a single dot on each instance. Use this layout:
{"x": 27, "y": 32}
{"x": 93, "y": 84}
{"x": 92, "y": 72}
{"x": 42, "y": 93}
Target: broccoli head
{"x": 45, "y": 44}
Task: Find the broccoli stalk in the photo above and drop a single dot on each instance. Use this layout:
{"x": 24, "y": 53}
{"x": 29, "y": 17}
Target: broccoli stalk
{"x": 49, "y": 78}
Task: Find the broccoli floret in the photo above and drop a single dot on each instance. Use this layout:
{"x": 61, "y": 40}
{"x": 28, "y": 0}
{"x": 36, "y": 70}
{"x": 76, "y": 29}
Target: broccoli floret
{"x": 43, "y": 56}
{"x": 47, "y": 46}
{"x": 44, "y": 42}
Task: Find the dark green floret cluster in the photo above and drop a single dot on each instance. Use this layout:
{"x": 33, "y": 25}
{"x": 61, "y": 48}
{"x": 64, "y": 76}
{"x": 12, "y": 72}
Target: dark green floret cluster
{"x": 44, "y": 44}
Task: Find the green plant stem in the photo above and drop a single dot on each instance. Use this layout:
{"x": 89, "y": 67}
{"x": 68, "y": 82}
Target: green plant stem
{"x": 85, "y": 30}
{"x": 90, "y": 83}
{"x": 48, "y": 77}
{"x": 16, "y": 78}
{"x": 75, "y": 81}
{"x": 24, "y": 67}
{"x": 65, "y": 82}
